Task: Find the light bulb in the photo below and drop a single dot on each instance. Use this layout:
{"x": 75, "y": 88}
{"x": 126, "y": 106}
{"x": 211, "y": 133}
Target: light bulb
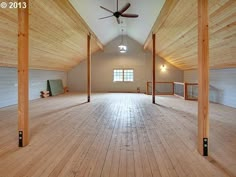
{"x": 163, "y": 68}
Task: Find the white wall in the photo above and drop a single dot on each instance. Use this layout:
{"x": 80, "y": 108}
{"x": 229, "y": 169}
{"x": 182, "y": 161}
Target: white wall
{"x": 104, "y": 62}
{"x": 222, "y": 85}
{"x": 38, "y": 82}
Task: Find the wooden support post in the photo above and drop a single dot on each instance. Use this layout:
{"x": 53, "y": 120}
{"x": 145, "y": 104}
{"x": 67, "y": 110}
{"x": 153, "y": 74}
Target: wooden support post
{"x": 203, "y": 77}
{"x": 23, "y": 76}
{"x": 185, "y": 91}
{"x": 89, "y": 66}
{"x": 153, "y": 67}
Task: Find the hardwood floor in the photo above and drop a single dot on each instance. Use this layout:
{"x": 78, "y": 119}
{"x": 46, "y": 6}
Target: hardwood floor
{"x": 117, "y": 135}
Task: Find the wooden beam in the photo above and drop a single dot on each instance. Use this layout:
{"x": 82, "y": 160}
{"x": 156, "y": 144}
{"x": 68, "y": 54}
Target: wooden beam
{"x": 23, "y": 76}
{"x": 185, "y": 91}
{"x": 89, "y": 66}
{"x": 153, "y": 67}
{"x": 203, "y": 77}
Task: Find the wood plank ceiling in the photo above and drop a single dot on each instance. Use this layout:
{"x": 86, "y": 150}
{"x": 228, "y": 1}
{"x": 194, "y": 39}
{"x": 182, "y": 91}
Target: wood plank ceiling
{"x": 58, "y": 36}
{"x": 176, "y": 33}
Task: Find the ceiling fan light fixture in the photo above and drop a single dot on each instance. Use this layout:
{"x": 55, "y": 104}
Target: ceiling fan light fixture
{"x": 122, "y": 47}
{"x": 123, "y": 50}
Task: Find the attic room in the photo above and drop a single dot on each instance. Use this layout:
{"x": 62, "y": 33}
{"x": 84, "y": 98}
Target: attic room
{"x": 117, "y": 88}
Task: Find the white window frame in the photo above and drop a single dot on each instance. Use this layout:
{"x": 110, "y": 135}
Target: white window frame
{"x": 123, "y": 74}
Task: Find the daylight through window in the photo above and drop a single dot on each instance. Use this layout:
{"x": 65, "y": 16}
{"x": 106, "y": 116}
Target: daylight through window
{"x": 123, "y": 75}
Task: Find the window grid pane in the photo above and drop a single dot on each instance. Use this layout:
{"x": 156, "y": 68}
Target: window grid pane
{"x": 117, "y": 75}
{"x": 128, "y": 75}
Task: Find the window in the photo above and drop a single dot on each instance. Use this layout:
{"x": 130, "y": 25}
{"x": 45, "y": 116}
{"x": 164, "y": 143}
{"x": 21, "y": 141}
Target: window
{"x": 117, "y": 75}
{"x": 123, "y": 75}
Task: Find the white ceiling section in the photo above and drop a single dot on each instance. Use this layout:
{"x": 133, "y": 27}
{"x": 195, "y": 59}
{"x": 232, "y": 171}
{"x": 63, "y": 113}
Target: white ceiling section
{"x": 108, "y": 29}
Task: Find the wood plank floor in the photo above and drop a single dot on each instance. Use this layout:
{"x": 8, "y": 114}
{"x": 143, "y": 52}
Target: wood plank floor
{"x": 117, "y": 135}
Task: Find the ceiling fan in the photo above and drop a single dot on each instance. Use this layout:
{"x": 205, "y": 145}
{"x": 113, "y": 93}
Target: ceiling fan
{"x": 119, "y": 13}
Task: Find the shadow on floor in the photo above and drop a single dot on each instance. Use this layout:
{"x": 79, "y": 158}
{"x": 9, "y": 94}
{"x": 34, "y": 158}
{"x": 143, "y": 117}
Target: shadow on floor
{"x": 219, "y": 166}
{"x": 40, "y": 126}
{"x": 61, "y": 109}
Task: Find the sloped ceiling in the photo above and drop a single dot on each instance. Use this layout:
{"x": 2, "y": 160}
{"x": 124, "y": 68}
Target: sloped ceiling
{"x": 176, "y": 33}
{"x": 58, "y": 33}
{"x": 58, "y": 36}
{"x": 108, "y": 29}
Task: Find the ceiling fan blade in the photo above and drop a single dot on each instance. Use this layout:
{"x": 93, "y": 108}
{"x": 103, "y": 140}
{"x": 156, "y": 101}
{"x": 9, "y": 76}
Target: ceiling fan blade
{"x": 118, "y": 20}
{"x": 124, "y": 8}
{"x": 105, "y": 17}
{"x": 107, "y": 9}
{"x": 129, "y": 15}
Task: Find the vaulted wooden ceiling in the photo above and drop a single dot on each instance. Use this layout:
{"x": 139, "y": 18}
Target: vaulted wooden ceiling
{"x": 58, "y": 36}
{"x": 177, "y": 35}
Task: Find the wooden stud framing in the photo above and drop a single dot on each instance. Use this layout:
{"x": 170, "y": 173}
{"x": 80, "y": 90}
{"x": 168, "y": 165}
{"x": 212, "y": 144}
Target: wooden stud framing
{"x": 23, "y": 77}
{"x": 89, "y": 66}
{"x": 153, "y": 67}
{"x": 203, "y": 77}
